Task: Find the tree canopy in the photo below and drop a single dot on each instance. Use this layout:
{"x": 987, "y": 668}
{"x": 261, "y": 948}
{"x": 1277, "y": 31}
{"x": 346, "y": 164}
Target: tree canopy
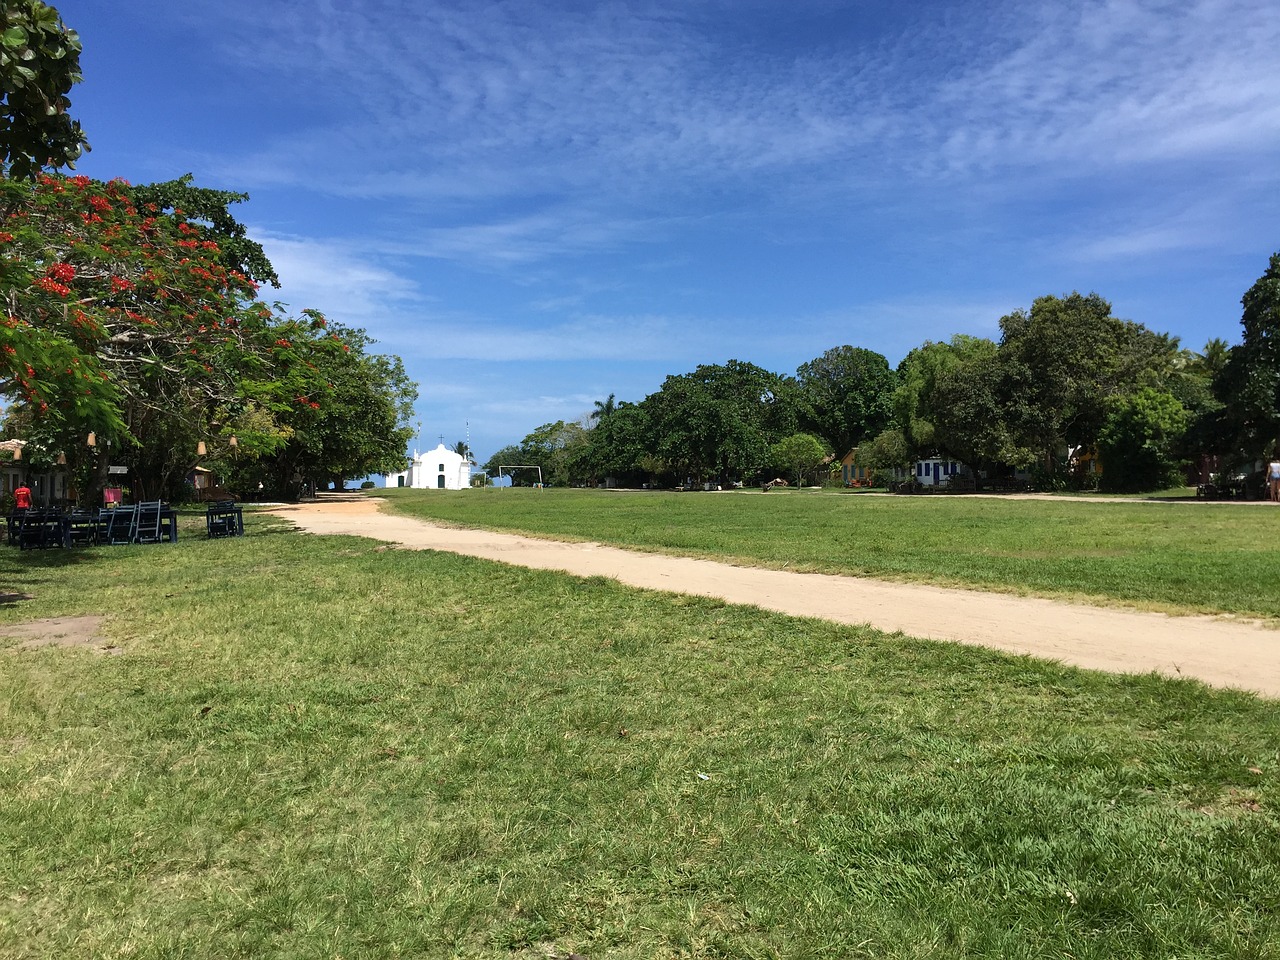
{"x": 131, "y": 313}
{"x": 720, "y": 421}
{"x": 1249, "y": 381}
{"x": 846, "y": 396}
{"x": 1066, "y": 379}
{"x": 1063, "y": 360}
{"x": 39, "y": 64}
{"x": 130, "y": 320}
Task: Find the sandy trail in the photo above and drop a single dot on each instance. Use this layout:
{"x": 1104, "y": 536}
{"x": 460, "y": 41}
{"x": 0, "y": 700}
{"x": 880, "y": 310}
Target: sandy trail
{"x": 1222, "y": 652}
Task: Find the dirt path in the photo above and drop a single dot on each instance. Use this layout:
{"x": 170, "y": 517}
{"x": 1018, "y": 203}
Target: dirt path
{"x": 1222, "y": 652}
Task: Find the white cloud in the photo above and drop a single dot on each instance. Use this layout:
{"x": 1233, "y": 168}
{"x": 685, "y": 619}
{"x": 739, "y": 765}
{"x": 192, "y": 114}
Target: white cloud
{"x": 334, "y": 278}
{"x": 1112, "y": 82}
{"x": 567, "y": 97}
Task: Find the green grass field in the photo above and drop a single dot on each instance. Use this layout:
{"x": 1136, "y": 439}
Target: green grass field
{"x": 1176, "y": 557}
{"x": 313, "y": 747}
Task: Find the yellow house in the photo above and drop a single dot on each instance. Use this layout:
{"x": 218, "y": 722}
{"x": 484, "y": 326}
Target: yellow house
{"x": 854, "y": 475}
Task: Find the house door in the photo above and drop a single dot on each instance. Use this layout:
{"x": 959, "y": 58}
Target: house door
{"x": 440, "y": 482}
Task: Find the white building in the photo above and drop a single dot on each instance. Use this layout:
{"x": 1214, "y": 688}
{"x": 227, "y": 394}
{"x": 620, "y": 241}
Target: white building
{"x": 438, "y": 469}
{"x": 935, "y": 471}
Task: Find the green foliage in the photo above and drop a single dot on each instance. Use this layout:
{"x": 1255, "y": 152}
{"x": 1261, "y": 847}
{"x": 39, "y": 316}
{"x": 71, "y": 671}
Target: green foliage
{"x": 509, "y": 455}
{"x": 620, "y": 445}
{"x": 887, "y": 451}
{"x": 1062, "y": 361}
{"x": 39, "y": 64}
{"x": 560, "y": 449}
{"x": 362, "y": 422}
{"x": 917, "y": 405}
{"x": 142, "y": 314}
{"x": 718, "y": 422}
{"x": 211, "y": 209}
{"x": 1249, "y": 383}
{"x": 846, "y": 396}
{"x": 1139, "y": 440}
{"x": 604, "y": 409}
{"x": 800, "y": 454}
{"x": 130, "y": 320}
{"x": 967, "y": 408}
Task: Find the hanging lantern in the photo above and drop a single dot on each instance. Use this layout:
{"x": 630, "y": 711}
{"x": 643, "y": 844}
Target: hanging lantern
{"x": 93, "y": 440}
{"x": 62, "y": 459}
{"x": 200, "y": 449}
{"x": 233, "y": 442}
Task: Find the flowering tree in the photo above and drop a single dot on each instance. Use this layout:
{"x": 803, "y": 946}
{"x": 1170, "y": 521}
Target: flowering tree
{"x": 129, "y": 319}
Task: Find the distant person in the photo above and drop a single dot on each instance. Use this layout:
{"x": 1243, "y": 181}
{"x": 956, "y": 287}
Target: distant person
{"x": 22, "y": 498}
{"x": 1273, "y": 480}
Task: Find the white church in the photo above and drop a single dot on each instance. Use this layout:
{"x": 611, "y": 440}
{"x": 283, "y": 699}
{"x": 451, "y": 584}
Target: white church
{"x": 438, "y": 469}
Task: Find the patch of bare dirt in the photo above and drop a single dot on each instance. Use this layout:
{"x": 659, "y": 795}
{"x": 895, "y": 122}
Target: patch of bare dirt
{"x": 81, "y": 632}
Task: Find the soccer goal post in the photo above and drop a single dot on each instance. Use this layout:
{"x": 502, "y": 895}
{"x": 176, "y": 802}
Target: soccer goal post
{"x": 519, "y": 466}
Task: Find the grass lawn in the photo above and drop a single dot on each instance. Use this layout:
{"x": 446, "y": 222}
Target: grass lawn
{"x": 1176, "y": 557}
{"x": 312, "y": 747}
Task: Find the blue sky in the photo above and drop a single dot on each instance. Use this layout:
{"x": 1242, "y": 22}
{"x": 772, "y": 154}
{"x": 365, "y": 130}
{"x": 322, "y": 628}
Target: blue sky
{"x": 538, "y": 204}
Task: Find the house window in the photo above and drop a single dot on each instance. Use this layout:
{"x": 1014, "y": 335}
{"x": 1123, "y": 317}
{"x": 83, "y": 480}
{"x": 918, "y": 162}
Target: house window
{"x": 441, "y": 468}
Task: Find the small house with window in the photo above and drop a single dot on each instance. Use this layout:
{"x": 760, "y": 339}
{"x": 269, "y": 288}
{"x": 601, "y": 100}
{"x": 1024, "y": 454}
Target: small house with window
{"x": 854, "y": 474}
{"x": 936, "y": 471}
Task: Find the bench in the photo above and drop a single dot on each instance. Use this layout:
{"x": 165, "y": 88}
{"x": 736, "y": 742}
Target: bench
{"x": 224, "y": 519}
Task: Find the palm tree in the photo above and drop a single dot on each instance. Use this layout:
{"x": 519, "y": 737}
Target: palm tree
{"x": 1214, "y": 356}
{"x": 604, "y": 408}
{"x": 464, "y": 451}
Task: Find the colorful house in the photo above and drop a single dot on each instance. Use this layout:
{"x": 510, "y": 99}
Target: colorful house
{"x": 852, "y": 474}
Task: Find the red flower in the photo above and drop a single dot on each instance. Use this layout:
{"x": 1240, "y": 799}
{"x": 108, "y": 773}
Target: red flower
{"x": 50, "y": 285}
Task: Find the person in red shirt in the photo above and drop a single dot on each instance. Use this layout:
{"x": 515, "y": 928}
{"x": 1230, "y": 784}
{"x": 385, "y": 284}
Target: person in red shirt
{"x": 22, "y": 497}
